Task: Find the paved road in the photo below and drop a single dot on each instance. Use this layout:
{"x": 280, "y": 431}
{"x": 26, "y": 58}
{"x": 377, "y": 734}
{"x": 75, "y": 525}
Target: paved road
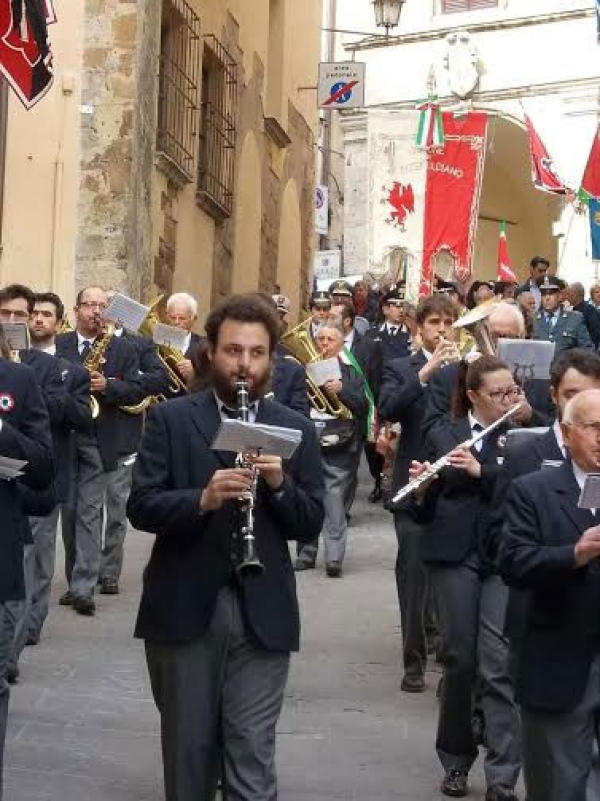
{"x": 84, "y": 728}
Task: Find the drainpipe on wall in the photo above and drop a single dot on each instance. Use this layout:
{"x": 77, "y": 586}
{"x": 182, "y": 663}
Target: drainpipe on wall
{"x": 326, "y": 116}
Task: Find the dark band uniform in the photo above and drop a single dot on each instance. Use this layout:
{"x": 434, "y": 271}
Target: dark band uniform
{"x": 218, "y": 645}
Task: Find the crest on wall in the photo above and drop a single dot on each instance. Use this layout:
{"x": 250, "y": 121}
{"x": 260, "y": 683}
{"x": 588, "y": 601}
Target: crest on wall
{"x": 461, "y": 64}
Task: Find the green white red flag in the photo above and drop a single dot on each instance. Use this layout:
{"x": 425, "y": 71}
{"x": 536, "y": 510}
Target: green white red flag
{"x": 590, "y": 183}
{"x": 505, "y": 272}
{"x": 430, "y": 132}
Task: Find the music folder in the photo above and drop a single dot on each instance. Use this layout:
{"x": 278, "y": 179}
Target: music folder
{"x": 237, "y": 436}
{"x": 11, "y": 468}
{"x": 527, "y": 359}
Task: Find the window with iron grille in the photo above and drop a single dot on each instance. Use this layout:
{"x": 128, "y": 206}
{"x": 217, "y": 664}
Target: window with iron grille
{"x": 178, "y": 89}
{"x": 216, "y": 160}
{"x": 452, "y": 6}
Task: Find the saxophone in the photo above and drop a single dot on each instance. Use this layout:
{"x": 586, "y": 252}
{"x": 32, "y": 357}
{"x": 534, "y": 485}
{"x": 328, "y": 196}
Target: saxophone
{"x": 95, "y": 359}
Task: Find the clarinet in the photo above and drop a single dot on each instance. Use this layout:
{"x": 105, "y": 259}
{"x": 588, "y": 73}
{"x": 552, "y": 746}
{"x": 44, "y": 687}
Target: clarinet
{"x": 249, "y": 563}
{"x": 435, "y": 468}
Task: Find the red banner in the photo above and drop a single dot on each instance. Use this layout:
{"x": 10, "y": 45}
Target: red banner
{"x": 454, "y": 176}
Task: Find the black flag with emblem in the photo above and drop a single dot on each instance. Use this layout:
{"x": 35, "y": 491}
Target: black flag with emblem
{"x": 25, "y": 56}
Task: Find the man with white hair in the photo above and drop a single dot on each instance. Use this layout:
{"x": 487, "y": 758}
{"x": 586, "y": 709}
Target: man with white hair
{"x": 504, "y": 322}
{"x": 550, "y": 546}
{"x": 182, "y": 312}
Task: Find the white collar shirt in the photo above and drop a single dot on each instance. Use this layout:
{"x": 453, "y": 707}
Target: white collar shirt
{"x": 559, "y": 438}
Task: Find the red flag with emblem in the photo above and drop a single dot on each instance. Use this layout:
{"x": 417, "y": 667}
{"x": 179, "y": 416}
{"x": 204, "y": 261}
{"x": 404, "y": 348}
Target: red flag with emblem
{"x": 25, "y": 56}
{"x": 543, "y": 173}
{"x": 505, "y": 272}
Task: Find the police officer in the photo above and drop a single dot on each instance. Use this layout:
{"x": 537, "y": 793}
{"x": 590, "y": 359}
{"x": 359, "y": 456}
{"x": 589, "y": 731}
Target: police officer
{"x": 320, "y": 309}
{"x": 553, "y": 323}
{"x": 393, "y": 335}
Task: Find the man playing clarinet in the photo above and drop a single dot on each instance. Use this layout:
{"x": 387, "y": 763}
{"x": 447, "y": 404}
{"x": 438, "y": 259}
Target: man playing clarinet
{"x": 218, "y": 638}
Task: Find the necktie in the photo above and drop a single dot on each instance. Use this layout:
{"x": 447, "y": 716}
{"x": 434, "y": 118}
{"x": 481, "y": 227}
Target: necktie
{"x": 85, "y": 349}
{"x": 551, "y": 319}
{"x": 393, "y": 330}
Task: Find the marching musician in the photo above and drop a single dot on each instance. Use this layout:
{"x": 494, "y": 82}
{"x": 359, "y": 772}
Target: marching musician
{"x": 154, "y": 382}
{"x": 114, "y": 381}
{"x": 218, "y": 641}
{"x": 182, "y": 312}
{"x": 550, "y": 548}
{"x": 72, "y": 414}
{"x": 24, "y": 435}
{"x": 402, "y": 400}
{"x": 341, "y": 446}
{"x": 470, "y": 597}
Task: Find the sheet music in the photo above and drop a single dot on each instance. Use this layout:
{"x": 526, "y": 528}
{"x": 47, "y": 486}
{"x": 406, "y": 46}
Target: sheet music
{"x": 170, "y": 336}
{"x": 126, "y": 312}
{"x": 236, "y": 436}
{"x": 17, "y": 335}
{"x": 590, "y": 493}
{"x": 527, "y": 359}
{"x": 11, "y": 468}
{"x": 324, "y": 370}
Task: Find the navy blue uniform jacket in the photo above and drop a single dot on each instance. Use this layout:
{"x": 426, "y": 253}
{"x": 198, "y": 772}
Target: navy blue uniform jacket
{"x": 192, "y": 556}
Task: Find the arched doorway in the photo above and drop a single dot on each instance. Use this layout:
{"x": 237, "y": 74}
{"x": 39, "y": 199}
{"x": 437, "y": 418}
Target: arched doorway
{"x": 289, "y": 260}
{"x": 246, "y": 258}
{"x": 508, "y": 194}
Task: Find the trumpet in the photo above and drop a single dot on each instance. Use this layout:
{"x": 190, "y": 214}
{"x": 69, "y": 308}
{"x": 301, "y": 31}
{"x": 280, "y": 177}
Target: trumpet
{"x": 442, "y": 462}
{"x": 250, "y": 563}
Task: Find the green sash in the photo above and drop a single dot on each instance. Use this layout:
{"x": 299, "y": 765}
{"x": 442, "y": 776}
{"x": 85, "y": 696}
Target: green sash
{"x": 368, "y": 393}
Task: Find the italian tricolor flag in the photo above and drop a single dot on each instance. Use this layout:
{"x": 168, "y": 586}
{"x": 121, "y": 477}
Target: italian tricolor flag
{"x": 430, "y": 132}
{"x": 505, "y": 272}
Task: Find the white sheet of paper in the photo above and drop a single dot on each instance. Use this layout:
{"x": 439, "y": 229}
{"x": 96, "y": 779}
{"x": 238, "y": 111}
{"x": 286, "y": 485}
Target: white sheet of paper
{"x": 170, "y": 336}
{"x": 17, "y": 335}
{"x": 11, "y": 468}
{"x": 323, "y": 371}
{"x": 527, "y": 359}
{"x": 590, "y": 494}
{"x": 236, "y": 436}
{"x": 126, "y": 312}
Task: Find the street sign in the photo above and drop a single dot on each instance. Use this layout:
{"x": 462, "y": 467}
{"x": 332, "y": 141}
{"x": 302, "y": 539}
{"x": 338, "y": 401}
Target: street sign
{"x": 341, "y": 85}
{"x": 328, "y": 265}
{"x": 322, "y": 210}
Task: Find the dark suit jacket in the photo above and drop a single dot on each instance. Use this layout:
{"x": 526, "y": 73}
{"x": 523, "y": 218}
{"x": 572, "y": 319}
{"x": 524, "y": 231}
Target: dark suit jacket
{"x": 25, "y": 435}
{"x": 456, "y": 507}
{"x": 194, "y": 342}
{"x": 402, "y": 400}
{"x": 441, "y": 391}
{"x": 391, "y": 347}
{"x": 368, "y": 354}
{"x": 289, "y": 383}
{"x": 591, "y": 318}
{"x": 354, "y": 398}
{"x": 562, "y": 629}
{"x": 124, "y": 389}
{"x": 192, "y": 556}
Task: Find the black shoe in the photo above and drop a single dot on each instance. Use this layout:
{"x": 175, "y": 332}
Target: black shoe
{"x": 412, "y": 684}
{"x": 303, "y": 564}
{"x": 376, "y": 495}
{"x": 84, "y": 606}
{"x": 455, "y": 783}
{"x": 12, "y": 674}
{"x": 333, "y": 569}
{"x": 499, "y": 792}
{"x": 33, "y": 638}
{"x": 66, "y": 599}
{"x": 109, "y": 587}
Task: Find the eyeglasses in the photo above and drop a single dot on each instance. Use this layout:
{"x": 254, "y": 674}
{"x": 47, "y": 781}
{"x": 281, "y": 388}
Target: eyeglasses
{"x": 92, "y": 304}
{"x": 7, "y": 314}
{"x": 504, "y": 394}
{"x": 588, "y": 427}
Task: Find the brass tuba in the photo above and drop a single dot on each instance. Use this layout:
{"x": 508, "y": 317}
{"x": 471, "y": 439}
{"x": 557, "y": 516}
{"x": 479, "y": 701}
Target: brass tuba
{"x": 300, "y": 344}
{"x": 472, "y": 331}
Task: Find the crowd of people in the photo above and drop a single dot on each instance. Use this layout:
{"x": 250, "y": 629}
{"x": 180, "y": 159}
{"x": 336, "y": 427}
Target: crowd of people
{"x": 496, "y": 567}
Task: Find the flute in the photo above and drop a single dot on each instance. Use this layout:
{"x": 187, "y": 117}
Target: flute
{"x": 435, "y": 468}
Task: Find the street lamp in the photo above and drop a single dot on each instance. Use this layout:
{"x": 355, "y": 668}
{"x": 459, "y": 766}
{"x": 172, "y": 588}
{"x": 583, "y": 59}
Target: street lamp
{"x": 387, "y": 13}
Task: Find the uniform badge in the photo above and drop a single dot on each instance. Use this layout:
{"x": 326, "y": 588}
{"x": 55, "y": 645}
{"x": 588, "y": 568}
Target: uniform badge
{"x": 7, "y": 402}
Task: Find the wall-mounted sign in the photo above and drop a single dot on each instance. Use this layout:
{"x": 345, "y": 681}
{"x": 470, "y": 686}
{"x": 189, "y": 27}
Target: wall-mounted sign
{"x": 328, "y": 265}
{"x": 341, "y": 85}
{"x": 322, "y": 210}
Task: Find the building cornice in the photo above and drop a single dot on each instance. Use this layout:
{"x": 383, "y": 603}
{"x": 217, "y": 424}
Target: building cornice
{"x": 432, "y": 34}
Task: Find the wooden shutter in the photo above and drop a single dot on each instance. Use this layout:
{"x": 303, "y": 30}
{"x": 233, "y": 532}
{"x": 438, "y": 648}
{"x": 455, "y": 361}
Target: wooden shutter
{"x": 452, "y": 6}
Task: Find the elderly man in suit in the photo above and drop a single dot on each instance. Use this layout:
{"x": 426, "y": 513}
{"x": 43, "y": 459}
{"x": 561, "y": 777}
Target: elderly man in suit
{"x": 116, "y": 383}
{"x": 402, "y": 400}
{"x": 182, "y": 312}
{"x": 550, "y": 547}
{"x": 218, "y": 640}
{"x": 24, "y": 434}
{"x": 553, "y": 323}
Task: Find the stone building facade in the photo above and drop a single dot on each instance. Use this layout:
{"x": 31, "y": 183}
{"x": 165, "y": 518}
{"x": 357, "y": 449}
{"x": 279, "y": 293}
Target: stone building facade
{"x": 537, "y": 58}
{"x": 176, "y": 151}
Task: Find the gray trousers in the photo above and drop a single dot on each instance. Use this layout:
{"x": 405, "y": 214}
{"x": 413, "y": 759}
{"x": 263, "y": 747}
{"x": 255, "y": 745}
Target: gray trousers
{"x": 219, "y": 700}
{"x": 558, "y": 747}
{"x": 5, "y": 644}
{"x": 82, "y": 518}
{"x": 44, "y": 538}
{"x": 412, "y": 587}
{"x": 16, "y": 613}
{"x": 471, "y": 610}
{"x": 118, "y": 485}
